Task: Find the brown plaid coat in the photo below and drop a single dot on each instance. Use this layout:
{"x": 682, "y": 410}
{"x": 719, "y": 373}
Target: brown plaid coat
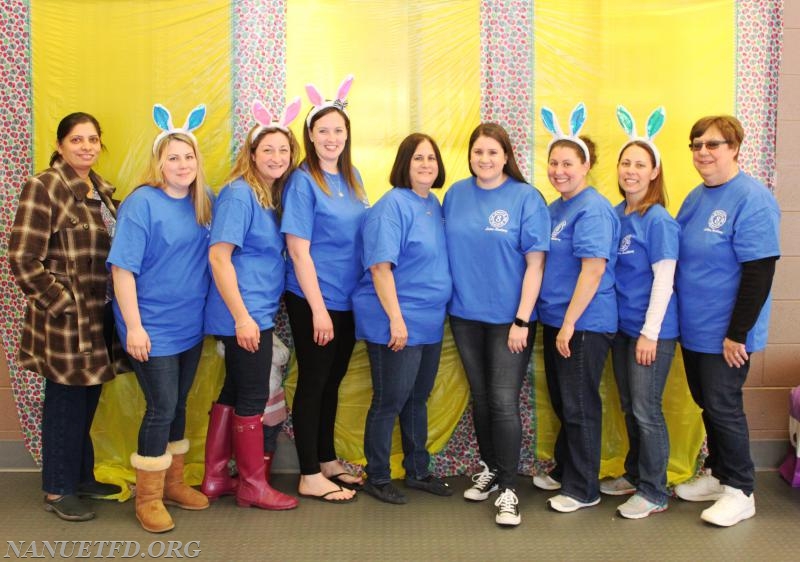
{"x": 57, "y": 252}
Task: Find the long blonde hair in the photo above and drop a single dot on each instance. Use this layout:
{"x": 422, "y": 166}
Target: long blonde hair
{"x": 244, "y": 167}
{"x": 154, "y": 176}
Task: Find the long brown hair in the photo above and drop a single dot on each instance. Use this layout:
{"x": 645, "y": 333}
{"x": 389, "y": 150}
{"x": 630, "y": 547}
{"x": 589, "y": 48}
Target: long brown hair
{"x": 656, "y": 191}
{"x": 154, "y": 176}
{"x": 345, "y": 163}
{"x": 498, "y": 133}
{"x": 244, "y": 167}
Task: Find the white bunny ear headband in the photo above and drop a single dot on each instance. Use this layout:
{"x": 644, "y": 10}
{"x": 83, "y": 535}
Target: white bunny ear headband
{"x": 576, "y": 120}
{"x": 320, "y": 103}
{"x": 163, "y": 119}
{"x": 654, "y": 124}
{"x": 265, "y": 120}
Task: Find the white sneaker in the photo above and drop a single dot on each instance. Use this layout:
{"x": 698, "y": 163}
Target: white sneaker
{"x": 704, "y": 488}
{"x": 485, "y": 484}
{"x": 639, "y": 507}
{"x": 507, "y": 508}
{"x": 617, "y": 487}
{"x": 566, "y": 504}
{"x": 732, "y": 507}
{"x": 546, "y": 482}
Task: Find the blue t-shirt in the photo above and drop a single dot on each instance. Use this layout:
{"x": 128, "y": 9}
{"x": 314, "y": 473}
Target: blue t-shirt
{"x": 407, "y": 231}
{"x": 159, "y": 241}
{"x": 644, "y": 240}
{"x": 258, "y": 258}
{"x": 489, "y": 232}
{"x": 584, "y": 226}
{"x": 721, "y": 228}
{"x": 331, "y": 223}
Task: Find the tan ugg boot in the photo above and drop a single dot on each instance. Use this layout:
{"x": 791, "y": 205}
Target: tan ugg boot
{"x": 150, "y": 510}
{"x": 175, "y": 491}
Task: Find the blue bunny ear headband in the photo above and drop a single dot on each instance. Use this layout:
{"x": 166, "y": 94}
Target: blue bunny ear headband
{"x": 576, "y": 120}
{"x": 654, "y": 124}
{"x": 163, "y": 119}
{"x": 316, "y": 98}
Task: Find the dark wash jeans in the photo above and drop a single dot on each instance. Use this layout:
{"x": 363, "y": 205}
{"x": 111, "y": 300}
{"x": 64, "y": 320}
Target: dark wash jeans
{"x": 401, "y": 384}
{"x": 717, "y": 389}
{"x": 641, "y": 389}
{"x": 495, "y": 378}
{"x": 165, "y": 382}
{"x": 67, "y": 450}
{"x": 246, "y": 385}
{"x": 574, "y": 385}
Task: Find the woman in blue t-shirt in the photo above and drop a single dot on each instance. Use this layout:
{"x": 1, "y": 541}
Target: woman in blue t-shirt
{"x": 648, "y": 327}
{"x": 729, "y": 246}
{"x": 159, "y": 263}
{"x": 497, "y": 236}
{"x": 399, "y": 307}
{"x": 324, "y": 204}
{"x": 247, "y": 261}
{"x": 578, "y": 311}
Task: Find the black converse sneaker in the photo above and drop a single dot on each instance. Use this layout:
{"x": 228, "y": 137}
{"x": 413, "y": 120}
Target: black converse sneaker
{"x": 485, "y": 484}
{"x": 507, "y": 508}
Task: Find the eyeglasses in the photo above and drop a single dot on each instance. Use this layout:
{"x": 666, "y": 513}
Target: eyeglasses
{"x": 697, "y": 146}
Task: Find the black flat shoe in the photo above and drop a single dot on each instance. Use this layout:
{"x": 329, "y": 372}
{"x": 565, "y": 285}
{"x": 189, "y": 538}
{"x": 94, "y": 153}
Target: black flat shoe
{"x": 97, "y": 490}
{"x": 430, "y": 484}
{"x": 69, "y": 508}
{"x": 385, "y": 492}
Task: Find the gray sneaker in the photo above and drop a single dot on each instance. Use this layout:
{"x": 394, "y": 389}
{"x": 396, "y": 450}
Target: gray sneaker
{"x": 617, "y": 487}
{"x": 639, "y": 507}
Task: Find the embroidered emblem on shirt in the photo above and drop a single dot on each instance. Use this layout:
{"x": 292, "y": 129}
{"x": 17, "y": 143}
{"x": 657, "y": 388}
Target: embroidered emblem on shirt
{"x": 625, "y": 245}
{"x": 715, "y": 222}
{"x": 497, "y": 220}
{"x": 557, "y": 230}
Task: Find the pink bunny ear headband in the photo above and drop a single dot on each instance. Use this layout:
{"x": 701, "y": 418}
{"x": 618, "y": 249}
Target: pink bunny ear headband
{"x": 163, "y": 119}
{"x": 265, "y": 120}
{"x": 320, "y": 103}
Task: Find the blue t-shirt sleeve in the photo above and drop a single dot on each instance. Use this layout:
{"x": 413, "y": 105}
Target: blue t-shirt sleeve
{"x": 298, "y": 206}
{"x": 663, "y": 240}
{"x": 593, "y": 237}
{"x": 382, "y": 236}
{"x": 756, "y": 235}
{"x": 232, "y": 219}
{"x": 131, "y": 235}
{"x": 535, "y": 231}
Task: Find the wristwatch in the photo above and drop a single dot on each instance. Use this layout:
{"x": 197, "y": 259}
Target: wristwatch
{"x": 521, "y": 323}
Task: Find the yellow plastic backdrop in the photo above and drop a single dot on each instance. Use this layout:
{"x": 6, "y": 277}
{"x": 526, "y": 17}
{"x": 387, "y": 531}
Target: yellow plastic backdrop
{"x": 417, "y": 68}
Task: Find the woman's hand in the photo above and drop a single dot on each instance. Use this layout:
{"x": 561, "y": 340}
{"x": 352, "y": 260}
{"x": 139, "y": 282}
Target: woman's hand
{"x": 563, "y": 338}
{"x": 517, "y": 339}
{"x": 645, "y": 351}
{"x": 137, "y": 343}
{"x": 323, "y": 327}
{"x": 398, "y": 334}
{"x": 248, "y": 336}
{"x": 734, "y": 353}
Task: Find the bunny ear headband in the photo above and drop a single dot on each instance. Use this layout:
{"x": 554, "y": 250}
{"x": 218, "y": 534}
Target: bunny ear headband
{"x": 320, "y": 103}
{"x": 576, "y": 120}
{"x": 265, "y": 120}
{"x": 654, "y": 124}
{"x": 163, "y": 119}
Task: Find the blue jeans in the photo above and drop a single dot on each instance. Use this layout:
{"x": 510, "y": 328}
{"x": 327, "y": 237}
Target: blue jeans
{"x": 401, "y": 384}
{"x": 166, "y": 382}
{"x": 67, "y": 450}
{"x": 574, "y": 386}
{"x": 641, "y": 389}
{"x": 717, "y": 389}
{"x": 495, "y": 376}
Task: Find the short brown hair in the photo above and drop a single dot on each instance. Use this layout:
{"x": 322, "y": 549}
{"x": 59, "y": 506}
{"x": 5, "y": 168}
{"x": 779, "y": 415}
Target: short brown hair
{"x": 399, "y": 176}
{"x": 729, "y": 127}
{"x": 577, "y": 148}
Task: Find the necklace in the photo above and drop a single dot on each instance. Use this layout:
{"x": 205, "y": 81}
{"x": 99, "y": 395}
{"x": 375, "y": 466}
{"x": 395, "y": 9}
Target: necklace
{"x": 339, "y": 184}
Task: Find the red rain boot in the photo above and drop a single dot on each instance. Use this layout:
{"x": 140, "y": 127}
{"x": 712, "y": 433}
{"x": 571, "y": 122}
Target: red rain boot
{"x": 217, "y": 481}
{"x": 248, "y": 446}
{"x": 267, "y": 465}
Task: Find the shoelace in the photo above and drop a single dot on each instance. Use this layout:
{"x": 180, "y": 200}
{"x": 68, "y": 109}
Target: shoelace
{"x": 483, "y": 478}
{"x": 507, "y": 502}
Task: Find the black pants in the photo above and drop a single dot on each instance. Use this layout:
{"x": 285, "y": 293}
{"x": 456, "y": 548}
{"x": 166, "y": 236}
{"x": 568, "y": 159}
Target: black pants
{"x": 320, "y": 372}
{"x": 246, "y": 385}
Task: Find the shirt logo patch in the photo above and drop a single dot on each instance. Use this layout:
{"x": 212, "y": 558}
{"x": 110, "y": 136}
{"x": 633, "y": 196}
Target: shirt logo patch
{"x": 715, "y": 222}
{"x": 557, "y": 230}
{"x": 497, "y": 220}
{"x": 625, "y": 245}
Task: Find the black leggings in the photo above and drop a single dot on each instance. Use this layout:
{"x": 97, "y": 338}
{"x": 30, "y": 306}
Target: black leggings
{"x": 246, "y": 384}
{"x": 320, "y": 371}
